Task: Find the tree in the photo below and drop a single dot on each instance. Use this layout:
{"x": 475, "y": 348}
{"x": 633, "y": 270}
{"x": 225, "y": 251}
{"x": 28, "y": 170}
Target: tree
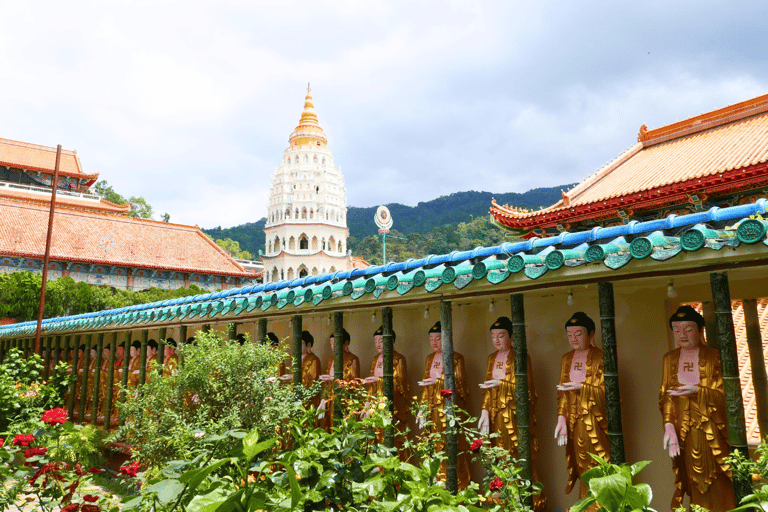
{"x": 139, "y": 207}
{"x": 233, "y": 248}
{"x": 166, "y": 217}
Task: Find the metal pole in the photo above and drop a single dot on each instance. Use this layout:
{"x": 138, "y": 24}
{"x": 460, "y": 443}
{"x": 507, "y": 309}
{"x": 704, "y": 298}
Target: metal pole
{"x": 338, "y": 363}
{"x": 734, "y": 404}
{"x": 759, "y": 378}
{"x": 520, "y": 347}
{"x": 451, "y": 439}
{"x": 296, "y": 345}
{"x": 384, "y": 249}
{"x": 388, "y": 384}
{"x": 611, "y": 372}
{"x": 47, "y": 257}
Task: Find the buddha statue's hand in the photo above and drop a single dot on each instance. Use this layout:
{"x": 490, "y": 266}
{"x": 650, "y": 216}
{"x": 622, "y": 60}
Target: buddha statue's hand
{"x": 321, "y": 409}
{"x": 493, "y": 383}
{"x": 561, "y": 431}
{"x": 569, "y": 386}
{"x": 688, "y": 389}
{"x": 484, "y": 423}
{"x": 670, "y": 440}
{"x": 326, "y": 377}
{"x": 420, "y": 420}
{"x": 286, "y": 377}
{"x": 428, "y": 382}
{"x": 370, "y": 380}
{"x": 272, "y": 379}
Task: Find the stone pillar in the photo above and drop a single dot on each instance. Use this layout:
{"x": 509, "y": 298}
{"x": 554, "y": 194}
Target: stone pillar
{"x": 451, "y": 438}
{"x": 143, "y": 357}
{"x": 262, "y": 331}
{"x": 388, "y": 384}
{"x": 97, "y": 379}
{"x": 520, "y": 348}
{"x": 611, "y": 372}
{"x": 84, "y": 379}
{"x": 110, "y": 382}
{"x": 296, "y": 345}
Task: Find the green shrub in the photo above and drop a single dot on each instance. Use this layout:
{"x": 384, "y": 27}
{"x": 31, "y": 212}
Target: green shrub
{"x": 220, "y": 387}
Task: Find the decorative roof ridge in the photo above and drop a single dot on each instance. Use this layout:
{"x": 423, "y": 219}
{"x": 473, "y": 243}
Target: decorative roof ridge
{"x": 48, "y": 149}
{"x": 611, "y": 166}
{"x": 30, "y": 145}
{"x": 703, "y": 122}
{"x": 62, "y": 200}
{"x": 215, "y": 246}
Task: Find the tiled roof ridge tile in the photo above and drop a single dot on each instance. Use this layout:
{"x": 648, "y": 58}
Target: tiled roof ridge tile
{"x": 705, "y": 121}
{"x": 18, "y": 196}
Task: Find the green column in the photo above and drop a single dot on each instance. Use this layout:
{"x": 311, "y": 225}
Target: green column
{"x": 759, "y": 378}
{"x": 710, "y": 324}
{"x": 451, "y": 439}
{"x": 611, "y": 372}
{"x": 110, "y": 382}
{"x": 262, "y": 331}
{"x": 232, "y": 331}
{"x": 338, "y": 362}
{"x": 296, "y": 345}
{"x": 143, "y": 357}
{"x": 734, "y": 404}
{"x": 522, "y": 414}
{"x": 47, "y": 358}
{"x": 126, "y": 366}
{"x": 388, "y": 385}
{"x": 161, "y": 349}
{"x": 56, "y": 354}
{"x": 97, "y": 379}
{"x": 84, "y": 378}
{"x": 182, "y": 341}
{"x": 3, "y": 350}
{"x": 73, "y": 384}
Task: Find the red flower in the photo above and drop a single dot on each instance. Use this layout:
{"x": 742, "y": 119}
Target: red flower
{"x": 23, "y": 439}
{"x": 2, "y": 442}
{"x": 496, "y": 484}
{"x": 90, "y": 498}
{"x": 130, "y": 470}
{"x": 89, "y": 508}
{"x": 31, "y": 452}
{"x": 446, "y": 393}
{"x": 50, "y": 467}
{"x": 55, "y": 416}
{"x": 475, "y": 446}
{"x": 72, "y": 507}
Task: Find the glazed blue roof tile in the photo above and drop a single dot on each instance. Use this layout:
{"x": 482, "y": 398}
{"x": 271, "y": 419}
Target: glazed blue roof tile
{"x": 532, "y": 255}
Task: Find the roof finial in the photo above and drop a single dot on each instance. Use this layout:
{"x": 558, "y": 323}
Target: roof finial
{"x": 308, "y": 89}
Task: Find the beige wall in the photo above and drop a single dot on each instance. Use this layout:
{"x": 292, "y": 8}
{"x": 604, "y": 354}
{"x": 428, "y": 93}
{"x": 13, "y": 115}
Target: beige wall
{"x": 642, "y": 310}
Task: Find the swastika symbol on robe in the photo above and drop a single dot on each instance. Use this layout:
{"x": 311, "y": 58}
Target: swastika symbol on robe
{"x": 688, "y": 366}
{"x": 499, "y": 365}
{"x": 578, "y": 366}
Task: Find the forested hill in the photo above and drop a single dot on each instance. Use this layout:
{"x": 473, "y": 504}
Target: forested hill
{"x": 422, "y": 218}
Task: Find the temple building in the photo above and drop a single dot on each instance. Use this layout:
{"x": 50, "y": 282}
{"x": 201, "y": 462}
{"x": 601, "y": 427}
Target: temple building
{"x": 306, "y": 230}
{"x": 94, "y": 240}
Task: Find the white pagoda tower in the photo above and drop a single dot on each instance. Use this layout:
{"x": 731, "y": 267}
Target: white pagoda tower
{"x": 306, "y": 229}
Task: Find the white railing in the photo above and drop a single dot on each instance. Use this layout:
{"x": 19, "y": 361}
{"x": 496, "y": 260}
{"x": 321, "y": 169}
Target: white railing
{"x": 48, "y": 191}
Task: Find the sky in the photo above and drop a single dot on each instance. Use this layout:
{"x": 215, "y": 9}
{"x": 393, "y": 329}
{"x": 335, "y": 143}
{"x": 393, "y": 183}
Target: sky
{"x": 190, "y": 104}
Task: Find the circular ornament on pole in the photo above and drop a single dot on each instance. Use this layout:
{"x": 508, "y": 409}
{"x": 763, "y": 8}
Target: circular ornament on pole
{"x": 383, "y": 219}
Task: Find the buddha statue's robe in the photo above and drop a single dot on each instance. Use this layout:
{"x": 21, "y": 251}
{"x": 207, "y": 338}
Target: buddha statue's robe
{"x": 310, "y": 371}
{"x": 134, "y": 369}
{"x": 350, "y": 371}
{"x": 702, "y": 432}
{"x": 170, "y": 364}
{"x": 400, "y": 385}
{"x": 93, "y": 393}
{"x": 435, "y": 402}
{"x": 501, "y": 404}
{"x": 585, "y": 416}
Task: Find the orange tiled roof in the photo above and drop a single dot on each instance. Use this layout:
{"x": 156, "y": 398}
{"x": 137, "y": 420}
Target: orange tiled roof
{"x": 74, "y": 200}
{"x": 358, "y": 262}
{"x": 92, "y": 237}
{"x": 731, "y": 138}
{"x": 40, "y": 158}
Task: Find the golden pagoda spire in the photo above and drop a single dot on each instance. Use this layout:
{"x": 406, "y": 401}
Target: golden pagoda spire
{"x": 308, "y": 131}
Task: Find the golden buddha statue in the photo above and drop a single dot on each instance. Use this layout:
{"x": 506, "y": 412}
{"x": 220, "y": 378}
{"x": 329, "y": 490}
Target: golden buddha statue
{"x": 170, "y": 357}
{"x": 375, "y": 385}
{"x": 500, "y": 403}
{"x": 692, "y": 403}
{"x": 431, "y": 386}
{"x": 350, "y": 371}
{"x": 582, "y": 425}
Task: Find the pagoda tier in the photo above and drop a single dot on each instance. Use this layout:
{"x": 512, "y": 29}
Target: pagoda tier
{"x": 719, "y": 158}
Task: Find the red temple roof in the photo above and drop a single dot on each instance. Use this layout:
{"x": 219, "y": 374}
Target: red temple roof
{"x": 41, "y": 158}
{"x": 726, "y": 149}
{"x": 92, "y": 237}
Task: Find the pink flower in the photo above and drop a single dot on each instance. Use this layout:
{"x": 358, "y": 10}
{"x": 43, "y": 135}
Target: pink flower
{"x": 496, "y": 484}
{"x": 446, "y": 393}
{"x": 475, "y": 446}
{"x": 55, "y": 416}
{"x": 23, "y": 439}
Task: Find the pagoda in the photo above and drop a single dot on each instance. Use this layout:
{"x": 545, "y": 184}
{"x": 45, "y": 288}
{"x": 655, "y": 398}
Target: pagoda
{"x": 715, "y": 159}
{"x": 306, "y": 229}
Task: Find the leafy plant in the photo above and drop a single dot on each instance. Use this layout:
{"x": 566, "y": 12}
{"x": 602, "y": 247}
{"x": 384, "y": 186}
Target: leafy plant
{"x": 754, "y": 471}
{"x": 611, "y": 487}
